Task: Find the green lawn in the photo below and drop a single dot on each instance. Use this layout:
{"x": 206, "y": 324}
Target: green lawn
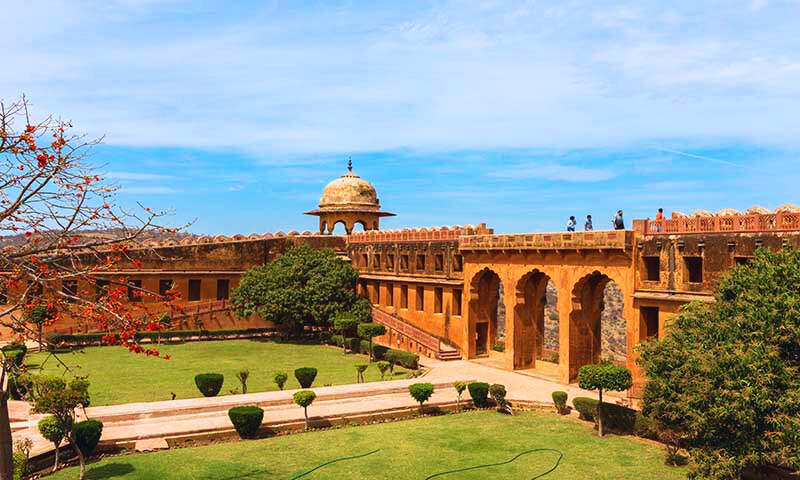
{"x": 118, "y": 376}
{"x": 412, "y": 449}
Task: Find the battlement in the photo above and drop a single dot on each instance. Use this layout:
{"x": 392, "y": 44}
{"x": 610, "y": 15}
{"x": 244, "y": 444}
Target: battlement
{"x": 595, "y": 240}
{"x": 755, "y": 220}
{"x": 419, "y": 234}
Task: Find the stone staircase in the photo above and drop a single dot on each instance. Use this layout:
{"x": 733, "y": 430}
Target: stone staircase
{"x": 433, "y": 343}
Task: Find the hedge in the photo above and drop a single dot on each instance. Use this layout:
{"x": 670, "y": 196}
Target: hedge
{"x": 337, "y": 340}
{"x": 96, "y": 338}
{"x": 87, "y": 435}
{"x": 246, "y": 420}
{"x": 560, "y": 400}
{"x": 401, "y": 357}
{"x": 615, "y": 416}
{"x": 209, "y": 384}
{"x": 479, "y": 392}
{"x": 14, "y": 346}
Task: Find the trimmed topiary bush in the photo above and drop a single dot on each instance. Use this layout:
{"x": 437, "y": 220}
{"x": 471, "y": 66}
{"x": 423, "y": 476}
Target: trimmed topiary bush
{"x": 306, "y": 376}
{"x": 498, "y": 393}
{"x": 209, "y": 384}
{"x": 383, "y": 367}
{"x": 360, "y": 369}
{"x": 401, "y": 357}
{"x": 370, "y": 331}
{"x": 246, "y": 420}
{"x": 604, "y": 376}
{"x": 87, "y": 435}
{"x": 421, "y": 392}
{"x": 280, "y": 379}
{"x": 619, "y": 418}
{"x": 586, "y": 407}
{"x": 353, "y": 344}
{"x": 304, "y": 398}
{"x": 460, "y": 387}
{"x": 479, "y": 392}
{"x": 50, "y": 428}
{"x": 560, "y": 400}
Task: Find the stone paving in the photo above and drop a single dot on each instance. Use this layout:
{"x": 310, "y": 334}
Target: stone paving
{"x": 158, "y": 420}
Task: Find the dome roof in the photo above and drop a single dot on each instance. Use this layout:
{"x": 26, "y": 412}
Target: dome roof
{"x": 349, "y": 191}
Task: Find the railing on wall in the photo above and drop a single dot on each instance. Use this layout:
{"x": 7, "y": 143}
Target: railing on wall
{"x": 767, "y": 222}
{"x": 610, "y": 240}
{"x": 415, "y": 334}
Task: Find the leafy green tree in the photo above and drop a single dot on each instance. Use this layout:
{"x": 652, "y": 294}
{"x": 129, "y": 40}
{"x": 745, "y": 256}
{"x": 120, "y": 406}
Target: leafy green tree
{"x": 50, "y": 428}
{"x": 280, "y": 379}
{"x": 604, "y": 377}
{"x": 304, "y": 398}
{"x": 303, "y": 287}
{"x": 360, "y": 369}
{"x": 371, "y": 330}
{"x": 383, "y": 367}
{"x": 54, "y": 396}
{"x": 342, "y": 323}
{"x": 460, "y": 386}
{"x": 726, "y": 376}
{"x": 421, "y": 392}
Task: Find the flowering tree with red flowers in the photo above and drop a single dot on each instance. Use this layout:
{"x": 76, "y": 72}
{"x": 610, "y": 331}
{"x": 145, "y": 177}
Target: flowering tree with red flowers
{"x": 62, "y": 231}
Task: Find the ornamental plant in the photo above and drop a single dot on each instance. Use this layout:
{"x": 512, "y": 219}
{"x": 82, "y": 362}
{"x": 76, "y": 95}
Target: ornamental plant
{"x": 87, "y": 435}
{"x": 421, "y": 392}
{"x": 370, "y": 331}
{"x": 304, "y": 398}
{"x": 604, "y": 377}
{"x": 305, "y": 376}
{"x": 52, "y": 430}
{"x": 280, "y": 379}
{"x": 243, "y": 375}
{"x": 383, "y": 367}
{"x": 498, "y": 393}
{"x": 360, "y": 369}
{"x": 479, "y": 392}
{"x": 209, "y": 384}
{"x": 560, "y": 401}
{"x": 460, "y": 387}
{"x": 246, "y": 420}
{"x": 343, "y": 323}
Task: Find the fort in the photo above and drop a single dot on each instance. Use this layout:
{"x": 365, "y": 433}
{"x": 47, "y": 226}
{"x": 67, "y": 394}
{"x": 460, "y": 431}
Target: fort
{"x": 544, "y": 302}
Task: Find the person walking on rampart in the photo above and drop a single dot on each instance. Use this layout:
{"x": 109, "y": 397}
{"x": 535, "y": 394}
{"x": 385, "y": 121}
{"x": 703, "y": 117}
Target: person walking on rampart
{"x": 618, "y": 221}
{"x": 588, "y": 225}
{"x": 571, "y": 224}
{"x": 660, "y": 218}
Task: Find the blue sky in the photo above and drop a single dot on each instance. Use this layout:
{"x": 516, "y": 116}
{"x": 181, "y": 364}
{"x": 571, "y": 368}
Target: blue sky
{"x": 517, "y": 114}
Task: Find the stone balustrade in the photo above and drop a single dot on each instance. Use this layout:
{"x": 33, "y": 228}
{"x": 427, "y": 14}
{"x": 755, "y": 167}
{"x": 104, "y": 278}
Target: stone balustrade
{"x": 768, "y": 222}
{"x": 596, "y": 240}
{"x": 418, "y": 234}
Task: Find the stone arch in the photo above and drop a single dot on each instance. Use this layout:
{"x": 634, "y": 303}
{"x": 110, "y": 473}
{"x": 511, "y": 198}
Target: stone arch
{"x": 332, "y": 228}
{"x": 363, "y": 225}
{"x": 587, "y": 319}
{"x": 487, "y": 311}
{"x": 535, "y": 298}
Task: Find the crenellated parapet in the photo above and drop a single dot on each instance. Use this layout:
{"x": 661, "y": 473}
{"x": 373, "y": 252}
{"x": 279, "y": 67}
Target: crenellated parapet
{"x": 419, "y": 234}
{"x": 785, "y": 218}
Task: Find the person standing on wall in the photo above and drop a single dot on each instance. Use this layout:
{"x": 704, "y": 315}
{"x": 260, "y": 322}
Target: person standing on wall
{"x": 618, "y": 221}
{"x": 660, "y": 218}
{"x": 571, "y": 224}
{"x": 588, "y": 225}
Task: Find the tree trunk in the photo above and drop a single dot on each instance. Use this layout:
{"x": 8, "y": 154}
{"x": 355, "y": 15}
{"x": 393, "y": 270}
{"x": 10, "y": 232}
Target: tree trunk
{"x": 81, "y": 459}
{"x": 6, "y": 443}
{"x": 600, "y": 414}
{"x": 55, "y": 465}
{"x": 305, "y": 412}
{"x": 371, "y": 356}
{"x": 41, "y": 348}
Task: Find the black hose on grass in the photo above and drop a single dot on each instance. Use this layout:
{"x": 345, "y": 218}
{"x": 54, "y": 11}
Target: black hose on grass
{"x": 558, "y": 461}
{"x": 303, "y": 474}
{"x": 560, "y": 456}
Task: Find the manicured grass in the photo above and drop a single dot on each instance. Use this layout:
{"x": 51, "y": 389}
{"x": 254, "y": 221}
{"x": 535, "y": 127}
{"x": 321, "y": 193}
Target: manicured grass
{"x": 117, "y": 376}
{"x": 412, "y": 449}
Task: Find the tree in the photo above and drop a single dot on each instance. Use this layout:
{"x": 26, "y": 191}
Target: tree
{"x": 303, "y": 287}
{"x": 726, "y": 377}
{"x": 304, "y": 398}
{"x": 421, "y": 392}
{"x": 243, "y": 375}
{"x": 460, "y": 387}
{"x": 604, "y": 376}
{"x": 53, "y": 396}
{"x": 41, "y": 316}
{"x": 383, "y": 367}
{"x": 51, "y": 429}
{"x": 342, "y": 323}
{"x": 62, "y": 227}
{"x": 360, "y": 369}
{"x": 280, "y": 379}
{"x": 371, "y": 330}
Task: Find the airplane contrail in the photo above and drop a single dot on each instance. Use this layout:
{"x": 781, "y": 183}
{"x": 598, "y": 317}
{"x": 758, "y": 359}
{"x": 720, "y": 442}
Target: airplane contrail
{"x": 677, "y": 152}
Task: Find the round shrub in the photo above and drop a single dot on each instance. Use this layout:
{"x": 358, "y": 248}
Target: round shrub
{"x": 304, "y": 398}
{"x": 209, "y": 384}
{"x": 305, "y": 376}
{"x": 498, "y": 393}
{"x": 383, "y": 367}
{"x": 586, "y": 407}
{"x": 50, "y": 428}
{"x": 246, "y": 420}
{"x": 421, "y": 392}
{"x": 280, "y": 379}
{"x": 479, "y": 392}
{"x": 560, "y": 400}
{"x": 87, "y": 435}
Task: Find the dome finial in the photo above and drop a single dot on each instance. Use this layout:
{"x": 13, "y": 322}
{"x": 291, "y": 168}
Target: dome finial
{"x": 349, "y": 164}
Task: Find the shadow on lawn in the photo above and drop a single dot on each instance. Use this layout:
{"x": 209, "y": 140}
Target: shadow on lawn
{"x": 109, "y": 470}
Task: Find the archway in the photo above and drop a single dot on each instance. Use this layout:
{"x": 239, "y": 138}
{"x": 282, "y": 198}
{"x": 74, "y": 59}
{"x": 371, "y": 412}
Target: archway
{"x": 533, "y": 320}
{"x": 591, "y": 327}
{"x": 335, "y": 230}
{"x": 488, "y": 311}
{"x": 360, "y": 223}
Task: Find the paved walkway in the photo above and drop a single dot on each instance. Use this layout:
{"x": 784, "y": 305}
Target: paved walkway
{"x": 137, "y": 421}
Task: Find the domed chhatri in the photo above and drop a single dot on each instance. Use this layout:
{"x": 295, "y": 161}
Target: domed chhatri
{"x": 349, "y": 200}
